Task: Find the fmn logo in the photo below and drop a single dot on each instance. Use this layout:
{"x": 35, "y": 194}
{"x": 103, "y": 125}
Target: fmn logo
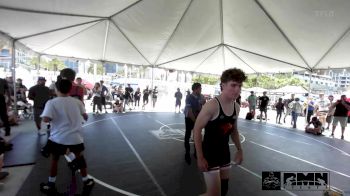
{"x": 271, "y": 180}
{"x": 306, "y": 181}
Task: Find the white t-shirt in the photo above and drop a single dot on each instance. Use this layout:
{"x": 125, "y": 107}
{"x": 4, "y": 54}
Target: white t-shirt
{"x": 66, "y": 114}
{"x": 322, "y": 105}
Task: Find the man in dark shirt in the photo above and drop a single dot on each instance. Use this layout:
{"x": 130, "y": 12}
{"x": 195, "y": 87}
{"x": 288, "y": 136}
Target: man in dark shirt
{"x": 178, "y": 97}
{"x": 128, "y": 96}
{"x": 341, "y": 114}
{"x": 4, "y": 91}
{"x": 154, "y": 96}
{"x": 40, "y": 94}
{"x": 192, "y": 109}
{"x": 264, "y": 101}
{"x": 146, "y": 93}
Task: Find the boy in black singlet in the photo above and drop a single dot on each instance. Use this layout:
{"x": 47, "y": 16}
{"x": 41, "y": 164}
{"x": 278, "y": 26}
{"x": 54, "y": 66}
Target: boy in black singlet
{"x": 219, "y": 118}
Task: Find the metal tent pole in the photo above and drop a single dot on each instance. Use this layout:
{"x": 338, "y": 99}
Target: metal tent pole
{"x": 152, "y": 82}
{"x": 13, "y": 69}
{"x": 308, "y": 101}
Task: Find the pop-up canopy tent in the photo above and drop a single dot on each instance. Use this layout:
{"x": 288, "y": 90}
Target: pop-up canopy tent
{"x": 194, "y": 35}
{"x": 290, "y": 90}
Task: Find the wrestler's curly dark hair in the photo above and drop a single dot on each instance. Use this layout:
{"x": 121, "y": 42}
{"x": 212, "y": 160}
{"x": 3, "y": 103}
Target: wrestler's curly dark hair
{"x": 234, "y": 74}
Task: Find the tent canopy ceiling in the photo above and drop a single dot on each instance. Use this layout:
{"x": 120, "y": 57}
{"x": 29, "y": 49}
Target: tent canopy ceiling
{"x": 195, "y": 35}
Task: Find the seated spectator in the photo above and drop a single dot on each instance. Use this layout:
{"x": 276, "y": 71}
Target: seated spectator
{"x": 118, "y": 106}
{"x": 315, "y": 126}
{"x": 13, "y": 118}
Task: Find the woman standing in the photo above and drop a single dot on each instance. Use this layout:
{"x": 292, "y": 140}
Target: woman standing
{"x": 219, "y": 118}
{"x": 97, "y": 91}
{"x": 279, "y": 109}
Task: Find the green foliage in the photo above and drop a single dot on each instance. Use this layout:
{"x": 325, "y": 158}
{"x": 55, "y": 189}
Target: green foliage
{"x": 53, "y": 65}
{"x": 206, "y": 79}
{"x": 273, "y": 81}
{"x": 100, "y": 69}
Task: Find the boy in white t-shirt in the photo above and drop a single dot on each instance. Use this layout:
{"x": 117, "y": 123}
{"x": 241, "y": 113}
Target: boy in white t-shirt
{"x": 65, "y": 113}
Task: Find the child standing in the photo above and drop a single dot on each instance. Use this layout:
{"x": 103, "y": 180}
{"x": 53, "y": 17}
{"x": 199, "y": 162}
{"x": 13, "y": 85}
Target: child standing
{"x": 64, "y": 113}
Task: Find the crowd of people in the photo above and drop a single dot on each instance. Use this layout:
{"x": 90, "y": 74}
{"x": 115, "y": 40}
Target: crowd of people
{"x": 320, "y": 113}
{"x": 61, "y": 107}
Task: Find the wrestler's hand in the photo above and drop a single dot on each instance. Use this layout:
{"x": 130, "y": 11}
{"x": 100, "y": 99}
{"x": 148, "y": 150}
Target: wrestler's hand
{"x": 202, "y": 164}
{"x": 238, "y": 157}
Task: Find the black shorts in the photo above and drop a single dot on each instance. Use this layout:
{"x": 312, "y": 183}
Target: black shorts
{"x": 263, "y": 109}
{"x": 178, "y": 102}
{"x": 216, "y": 157}
{"x": 103, "y": 100}
{"x": 59, "y": 149}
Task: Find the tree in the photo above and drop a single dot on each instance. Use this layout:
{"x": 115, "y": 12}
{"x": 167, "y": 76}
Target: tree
{"x": 273, "y": 81}
{"x": 206, "y": 79}
{"x": 100, "y": 69}
{"x": 34, "y": 62}
{"x": 53, "y": 65}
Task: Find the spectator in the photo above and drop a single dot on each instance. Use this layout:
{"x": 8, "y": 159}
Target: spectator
{"x": 128, "y": 96}
{"x": 331, "y": 111}
{"x": 288, "y": 106}
{"x": 279, "y": 109}
{"x": 321, "y": 108}
{"x": 104, "y": 94}
{"x": 296, "y": 111}
{"x": 40, "y": 94}
{"x": 4, "y": 91}
{"x": 137, "y": 97}
{"x": 118, "y": 106}
{"x": 340, "y": 114}
{"x": 263, "y": 103}
{"x": 315, "y": 126}
{"x": 178, "y": 98}
{"x": 310, "y": 109}
{"x": 146, "y": 93}
{"x": 97, "y": 91}
{"x": 154, "y": 96}
{"x": 76, "y": 90}
{"x": 252, "y": 103}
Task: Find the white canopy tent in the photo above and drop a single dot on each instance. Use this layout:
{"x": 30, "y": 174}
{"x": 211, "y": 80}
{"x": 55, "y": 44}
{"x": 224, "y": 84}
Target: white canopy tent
{"x": 291, "y": 90}
{"x": 206, "y": 36}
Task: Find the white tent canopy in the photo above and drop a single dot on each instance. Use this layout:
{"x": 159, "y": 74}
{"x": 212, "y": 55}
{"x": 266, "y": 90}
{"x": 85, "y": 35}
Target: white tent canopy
{"x": 291, "y": 90}
{"x": 195, "y": 35}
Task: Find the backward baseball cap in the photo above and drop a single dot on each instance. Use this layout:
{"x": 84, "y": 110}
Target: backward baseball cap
{"x": 68, "y": 73}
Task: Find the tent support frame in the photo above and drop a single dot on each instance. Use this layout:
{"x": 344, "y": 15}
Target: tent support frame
{"x": 70, "y": 37}
{"x": 201, "y": 63}
{"x": 13, "y": 70}
{"x": 50, "y": 13}
{"x": 58, "y": 29}
{"x": 173, "y": 33}
{"x": 105, "y": 40}
{"x": 188, "y": 55}
{"x": 240, "y": 59}
{"x": 332, "y": 47}
{"x": 123, "y": 10}
{"x": 282, "y": 32}
{"x": 267, "y": 57}
{"x": 127, "y": 38}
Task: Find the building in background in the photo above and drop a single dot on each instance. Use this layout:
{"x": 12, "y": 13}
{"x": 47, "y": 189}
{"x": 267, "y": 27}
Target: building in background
{"x": 318, "y": 83}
